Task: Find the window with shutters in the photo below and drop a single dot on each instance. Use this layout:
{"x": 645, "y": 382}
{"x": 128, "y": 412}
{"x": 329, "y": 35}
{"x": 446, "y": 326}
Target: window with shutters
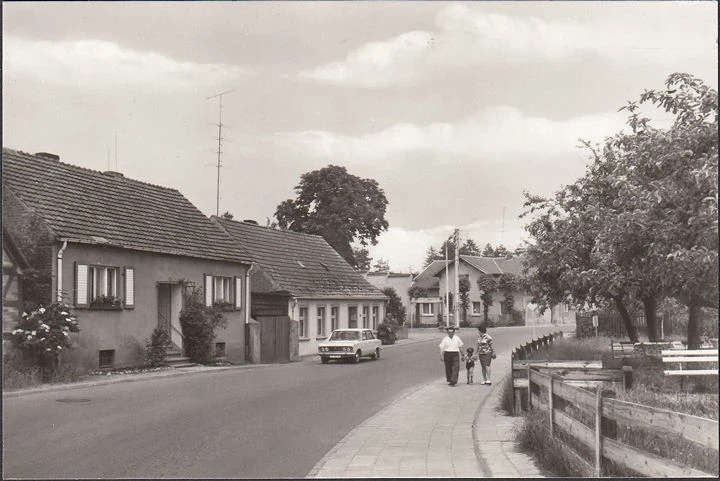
{"x": 101, "y": 287}
{"x": 223, "y": 292}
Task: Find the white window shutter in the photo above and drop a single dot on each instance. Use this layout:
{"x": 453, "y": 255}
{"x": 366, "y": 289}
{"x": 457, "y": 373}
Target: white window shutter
{"x": 208, "y": 290}
{"x": 129, "y": 287}
{"x": 81, "y": 285}
{"x": 238, "y": 293}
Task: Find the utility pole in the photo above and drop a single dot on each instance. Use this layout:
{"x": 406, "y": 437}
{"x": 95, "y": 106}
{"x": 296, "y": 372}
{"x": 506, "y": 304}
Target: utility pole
{"x": 219, "y": 147}
{"x": 447, "y": 289}
{"x": 456, "y": 299}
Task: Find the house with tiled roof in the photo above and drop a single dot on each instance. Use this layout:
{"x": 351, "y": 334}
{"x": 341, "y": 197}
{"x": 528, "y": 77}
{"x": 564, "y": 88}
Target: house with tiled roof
{"x": 300, "y": 277}
{"x": 122, "y": 254}
{"x": 425, "y": 311}
{"x": 499, "y": 312}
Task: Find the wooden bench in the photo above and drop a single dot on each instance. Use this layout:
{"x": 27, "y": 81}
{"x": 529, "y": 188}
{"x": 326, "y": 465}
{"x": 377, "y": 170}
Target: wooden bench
{"x": 681, "y": 357}
{"x": 621, "y": 349}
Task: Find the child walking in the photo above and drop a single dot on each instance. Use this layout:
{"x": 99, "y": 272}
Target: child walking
{"x": 469, "y": 364}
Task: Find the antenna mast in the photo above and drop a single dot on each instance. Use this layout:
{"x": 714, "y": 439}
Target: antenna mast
{"x": 219, "y": 147}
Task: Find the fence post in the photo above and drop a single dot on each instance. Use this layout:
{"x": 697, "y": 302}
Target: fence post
{"x": 529, "y": 388}
{"x": 598, "y": 433}
{"x": 550, "y": 404}
{"x": 512, "y": 380}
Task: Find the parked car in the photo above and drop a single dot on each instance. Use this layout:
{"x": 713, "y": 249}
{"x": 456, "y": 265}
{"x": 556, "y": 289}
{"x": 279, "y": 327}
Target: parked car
{"x": 350, "y": 344}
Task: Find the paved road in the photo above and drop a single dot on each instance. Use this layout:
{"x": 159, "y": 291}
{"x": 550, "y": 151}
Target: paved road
{"x": 265, "y": 422}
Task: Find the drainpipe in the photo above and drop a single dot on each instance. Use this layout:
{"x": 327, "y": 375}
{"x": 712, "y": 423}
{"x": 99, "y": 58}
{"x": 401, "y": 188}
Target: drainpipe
{"x": 60, "y": 271}
{"x": 247, "y": 293}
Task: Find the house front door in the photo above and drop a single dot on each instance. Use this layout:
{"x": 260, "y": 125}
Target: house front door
{"x": 169, "y": 305}
{"x": 352, "y": 317}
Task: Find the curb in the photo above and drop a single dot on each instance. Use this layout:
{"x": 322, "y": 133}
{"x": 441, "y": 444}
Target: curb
{"x": 176, "y": 372}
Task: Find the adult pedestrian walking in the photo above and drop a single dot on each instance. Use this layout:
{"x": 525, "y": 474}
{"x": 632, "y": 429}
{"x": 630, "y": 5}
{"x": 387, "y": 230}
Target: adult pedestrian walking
{"x": 486, "y": 352}
{"x": 450, "y": 349}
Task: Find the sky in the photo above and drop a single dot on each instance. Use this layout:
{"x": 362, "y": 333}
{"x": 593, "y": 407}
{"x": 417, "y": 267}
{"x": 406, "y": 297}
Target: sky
{"x": 454, "y": 108}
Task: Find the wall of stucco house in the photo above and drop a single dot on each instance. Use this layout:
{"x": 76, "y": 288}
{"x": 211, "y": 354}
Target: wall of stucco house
{"x": 126, "y": 330}
{"x": 400, "y": 282}
{"x": 494, "y": 312}
{"x": 309, "y": 341}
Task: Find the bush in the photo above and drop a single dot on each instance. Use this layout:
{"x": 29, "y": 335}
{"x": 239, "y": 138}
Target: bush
{"x": 156, "y": 348}
{"x": 386, "y": 333}
{"x": 199, "y": 323}
{"x": 43, "y": 334}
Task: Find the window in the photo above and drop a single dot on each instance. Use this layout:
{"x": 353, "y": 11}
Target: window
{"x": 352, "y": 316}
{"x": 477, "y": 308}
{"x": 219, "y": 349}
{"x": 321, "y": 321}
{"x": 99, "y": 286}
{"x": 223, "y": 291}
{"x": 365, "y": 316}
{"x": 375, "y": 316}
{"x": 106, "y": 359}
{"x": 333, "y": 318}
{"x": 428, "y": 308}
{"x": 303, "y": 322}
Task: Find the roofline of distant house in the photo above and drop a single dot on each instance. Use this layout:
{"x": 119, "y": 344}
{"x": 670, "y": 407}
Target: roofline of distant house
{"x": 154, "y": 251}
{"x": 345, "y": 297}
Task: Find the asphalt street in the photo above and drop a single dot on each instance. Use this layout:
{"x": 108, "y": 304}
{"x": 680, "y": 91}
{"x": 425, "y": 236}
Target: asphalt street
{"x": 273, "y": 421}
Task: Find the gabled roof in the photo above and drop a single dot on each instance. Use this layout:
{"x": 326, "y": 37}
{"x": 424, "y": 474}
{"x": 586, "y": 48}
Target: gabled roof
{"x": 428, "y": 277}
{"x": 88, "y": 206}
{"x": 301, "y": 265}
{"x": 495, "y": 265}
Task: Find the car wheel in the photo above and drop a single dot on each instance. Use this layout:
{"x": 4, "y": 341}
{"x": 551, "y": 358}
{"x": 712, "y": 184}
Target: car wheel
{"x": 356, "y": 359}
{"x": 324, "y": 360}
{"x": 376, "y": 354}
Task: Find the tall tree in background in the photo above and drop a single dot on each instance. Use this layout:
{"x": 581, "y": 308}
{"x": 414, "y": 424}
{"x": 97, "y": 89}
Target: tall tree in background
{"x": 339, "y": 206}
{"x": 382, "y": 265}
{"x": 467, "y": 248}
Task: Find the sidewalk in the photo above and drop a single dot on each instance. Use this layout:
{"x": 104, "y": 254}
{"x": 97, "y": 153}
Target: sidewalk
{"x": 434, "y": 431}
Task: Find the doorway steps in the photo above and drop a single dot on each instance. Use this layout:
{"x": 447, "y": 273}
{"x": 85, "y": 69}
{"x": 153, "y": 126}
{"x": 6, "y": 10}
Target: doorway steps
{"x": 175, "y": 358}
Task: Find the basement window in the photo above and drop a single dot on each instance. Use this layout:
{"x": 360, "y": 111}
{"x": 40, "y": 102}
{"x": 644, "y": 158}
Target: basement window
{"x": 107, "y": 359}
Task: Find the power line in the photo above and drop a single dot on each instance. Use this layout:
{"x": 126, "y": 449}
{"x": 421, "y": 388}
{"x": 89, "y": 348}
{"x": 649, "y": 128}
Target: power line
{"x": 219, "y": 148}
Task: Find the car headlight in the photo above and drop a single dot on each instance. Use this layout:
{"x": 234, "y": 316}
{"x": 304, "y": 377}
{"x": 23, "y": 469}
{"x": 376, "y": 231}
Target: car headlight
{"x": 323, "y": 349}
{"x": 348, "y": 349}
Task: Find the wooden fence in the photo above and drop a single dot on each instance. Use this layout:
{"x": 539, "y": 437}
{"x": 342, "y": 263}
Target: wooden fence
{"x": 524, "y": 351}
{"x": 552, "y": 394}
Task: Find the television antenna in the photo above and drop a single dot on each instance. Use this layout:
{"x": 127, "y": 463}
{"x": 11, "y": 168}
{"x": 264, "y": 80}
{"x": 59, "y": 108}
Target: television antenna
{"x": 219, "y": 147}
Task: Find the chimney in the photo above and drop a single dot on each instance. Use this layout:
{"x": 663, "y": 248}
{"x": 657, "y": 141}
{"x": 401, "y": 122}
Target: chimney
{"x": 250, "y": 221}
{"x": 48, "y": 156}
{"x": 112, "y": 173}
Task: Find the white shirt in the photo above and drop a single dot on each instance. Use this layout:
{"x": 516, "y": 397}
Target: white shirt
{"x": 451, "y": 344}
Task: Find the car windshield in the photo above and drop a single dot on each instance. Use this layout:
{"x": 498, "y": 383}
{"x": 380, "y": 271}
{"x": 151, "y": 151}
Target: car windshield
{"x": 345, "y": 336}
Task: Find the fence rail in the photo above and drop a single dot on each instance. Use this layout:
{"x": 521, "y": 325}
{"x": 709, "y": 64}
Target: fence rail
{"x": 548, "y": 392}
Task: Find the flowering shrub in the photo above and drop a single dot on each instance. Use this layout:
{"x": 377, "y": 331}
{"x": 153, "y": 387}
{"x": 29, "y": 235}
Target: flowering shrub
{"x": 45, "y": 332}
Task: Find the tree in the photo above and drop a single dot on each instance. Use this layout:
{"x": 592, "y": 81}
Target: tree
{"x": 416, "y": 291}
{"x": 641, "y": 224}
{"x": 501, "y": 251}
{"x": 488, "y": 251}
{"x": 464, "y": 295}
{"x": 395, "y": 309}
{"x": 432, "y": 255}
{"x": 468, "y": 248}
{"x": 509, "y": 284}
{"x": 199, "y": 323}
{"x": 362, "y": 258}
{"x": 487, "y": 285}
{"x": 339, "y": 206}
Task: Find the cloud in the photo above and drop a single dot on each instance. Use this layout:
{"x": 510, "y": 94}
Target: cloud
{"x": 98, "y": 63}
{"x": 471, "y": 36}
{"x": 494, "y": 134}
{"x": 464, "y": 37}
